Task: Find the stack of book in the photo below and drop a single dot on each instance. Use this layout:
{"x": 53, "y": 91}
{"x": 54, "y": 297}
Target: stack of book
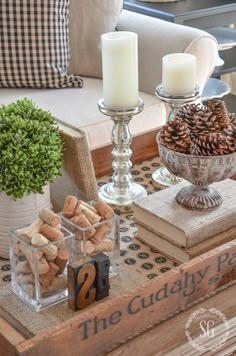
{"x": 183, "y": 234}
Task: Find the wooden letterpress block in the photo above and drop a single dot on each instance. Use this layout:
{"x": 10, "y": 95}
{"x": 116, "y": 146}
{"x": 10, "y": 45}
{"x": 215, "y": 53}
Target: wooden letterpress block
{"x": 102, "y": 264}
{"x": 81, "y": 283}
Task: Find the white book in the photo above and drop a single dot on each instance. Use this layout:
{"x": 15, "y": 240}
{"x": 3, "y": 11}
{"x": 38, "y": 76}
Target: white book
{"x": 161, "y": 213}
{"x": 178, "y": 253}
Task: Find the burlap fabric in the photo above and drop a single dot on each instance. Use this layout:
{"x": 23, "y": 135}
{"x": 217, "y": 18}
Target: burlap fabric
{"x": 78, "y": 173}
{"x": 138, "y": 263}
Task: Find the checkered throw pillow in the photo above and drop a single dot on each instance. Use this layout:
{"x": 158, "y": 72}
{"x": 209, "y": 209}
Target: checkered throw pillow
{"x": 34, "y": 49}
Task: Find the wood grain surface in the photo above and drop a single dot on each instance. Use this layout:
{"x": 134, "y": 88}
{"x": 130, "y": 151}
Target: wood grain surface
{"x": 143, "y": 147}
{"x": 108, "y": 324}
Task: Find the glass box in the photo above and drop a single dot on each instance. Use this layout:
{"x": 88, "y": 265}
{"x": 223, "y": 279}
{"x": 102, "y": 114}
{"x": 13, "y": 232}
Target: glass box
{"x": 39, "y": 274}
{"x": 102, "y": 237}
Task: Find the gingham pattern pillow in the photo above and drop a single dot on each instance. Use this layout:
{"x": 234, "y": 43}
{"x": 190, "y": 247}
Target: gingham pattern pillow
{"x": 34, "y": 48}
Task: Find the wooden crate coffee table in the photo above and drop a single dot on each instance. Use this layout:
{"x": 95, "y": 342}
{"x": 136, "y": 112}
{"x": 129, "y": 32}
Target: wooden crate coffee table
{"x": 141, "y": 315}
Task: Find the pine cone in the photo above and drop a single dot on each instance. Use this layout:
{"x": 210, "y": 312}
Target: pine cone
{"x": 231, "y": 129}
{"x": 212, "y": 144}
{"x": 232, "y": 139}
{"x": 200, "y": 120}
{"x": 219, "y": 109}
{"x": 232, "y": 118}
{"x": 175, "y": 135}
{"x": 187, "y": 111}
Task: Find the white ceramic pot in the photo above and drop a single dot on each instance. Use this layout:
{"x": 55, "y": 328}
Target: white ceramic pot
{"x": 17, "y": 213}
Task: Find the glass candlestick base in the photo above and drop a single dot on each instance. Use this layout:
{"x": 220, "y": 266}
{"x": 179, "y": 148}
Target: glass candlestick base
{"x": 121, "y": 191}
{"x": 162, "y": 177}
{"x": 111, "y": 195}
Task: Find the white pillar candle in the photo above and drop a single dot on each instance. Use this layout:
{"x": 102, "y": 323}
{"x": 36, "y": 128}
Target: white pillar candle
{"x": 178, "y": 73}
{"x": 120, "y": 69}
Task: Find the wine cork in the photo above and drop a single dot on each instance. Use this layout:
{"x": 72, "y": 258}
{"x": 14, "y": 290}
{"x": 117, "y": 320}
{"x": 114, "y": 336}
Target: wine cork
{"x": 27, "y": 232}
{"x": 23, "y": 267}
{"x": 49, "y": 217}
{"x": 46, "y": 278}
{"x": 30, "y": 290}
{"x": 100, "y": 233}
{"x": 58, "y": 227}
{"x": 16, "y": 249}
{"x": 89, "y": 247}
{"x": 43, "y": 266}
{"x": 92, "y": 217}
{"x": 25, "y": 237}
{"x": 78, "y": 235}
{"x": 89, "y": 206}
{"x": 23, "y": 279}
{"x": 50, "y": 258}
{"x": 48, "y": 249}
{"x": 29, "y": 253}
{"x": 39, "y": 240}
{"x": 52, "y": 234}
{"x": 42, "y": 263}
{"x": 82, "y": 221}
{"x": 61, "y": 260}
{"x": 69, "y": 206}
{"x": 103, "y": 246}
{"x": 104, "y": 210}
{"x": 59, "y": 283}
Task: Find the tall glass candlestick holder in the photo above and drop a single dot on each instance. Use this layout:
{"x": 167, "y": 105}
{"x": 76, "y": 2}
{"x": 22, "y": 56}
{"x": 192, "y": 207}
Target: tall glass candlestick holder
{"x": 162, "y": 176}
{"x": 121, "y": 191}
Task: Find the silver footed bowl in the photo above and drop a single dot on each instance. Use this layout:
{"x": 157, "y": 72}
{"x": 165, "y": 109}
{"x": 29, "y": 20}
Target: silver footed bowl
{"x": 201, "y": 171}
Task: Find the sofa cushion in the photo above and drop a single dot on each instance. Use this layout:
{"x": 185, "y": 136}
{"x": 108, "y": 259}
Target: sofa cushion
{"x": 89, "y": 19}
{"x": 34, "y": 44}
{"x": 78, "y": 109}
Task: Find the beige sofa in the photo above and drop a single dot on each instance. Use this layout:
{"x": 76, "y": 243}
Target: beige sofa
{"x": 77, "y": 108}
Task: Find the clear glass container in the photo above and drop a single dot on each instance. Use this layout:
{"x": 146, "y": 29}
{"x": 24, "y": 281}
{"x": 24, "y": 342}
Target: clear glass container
{"x": 39, "y": 274}
{"x": 102, "y": 237}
